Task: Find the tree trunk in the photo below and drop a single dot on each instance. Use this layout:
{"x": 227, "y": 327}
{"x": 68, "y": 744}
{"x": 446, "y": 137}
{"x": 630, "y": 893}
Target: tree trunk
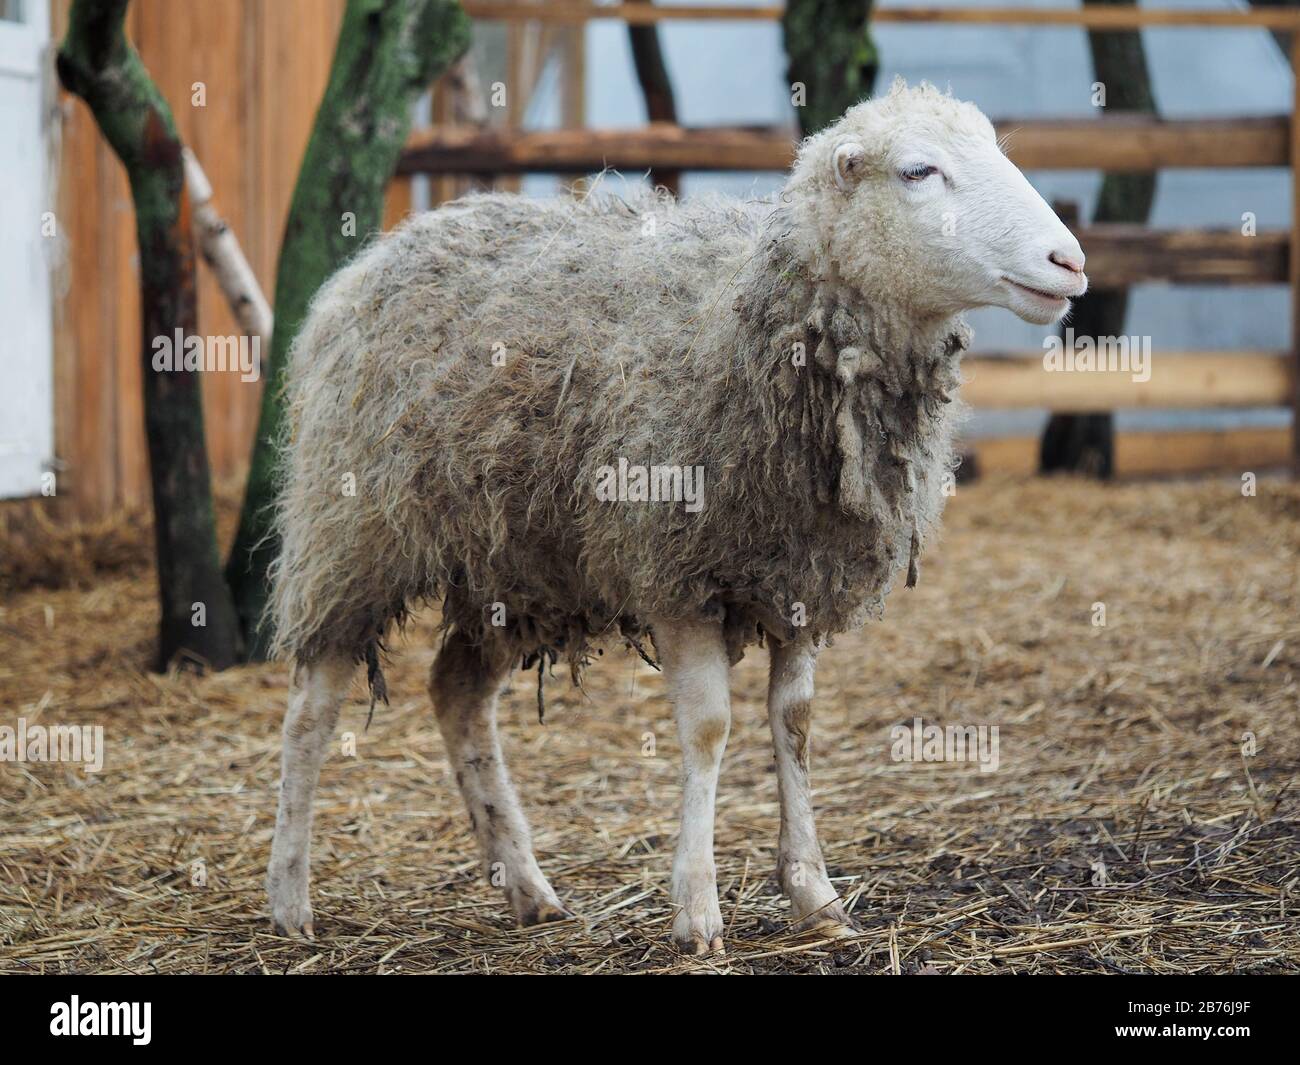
{"x": 389, "y": 51}
{"x": 831, "y": 55}
{"x": 656, "y": 87}
{"x": 98, "y": 64}
{"x": 1086, "y": 442}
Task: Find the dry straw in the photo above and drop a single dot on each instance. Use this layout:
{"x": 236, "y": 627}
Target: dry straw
{"x": 1119, "y": 745}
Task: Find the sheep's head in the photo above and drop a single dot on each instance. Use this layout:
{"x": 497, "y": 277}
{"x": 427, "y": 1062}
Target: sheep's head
{"x": 911, "y": 199}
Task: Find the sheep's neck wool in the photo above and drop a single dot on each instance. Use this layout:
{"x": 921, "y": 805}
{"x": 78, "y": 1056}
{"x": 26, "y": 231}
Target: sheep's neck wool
{"x": 476, "y": 376}
{"x": 875, "y": 400}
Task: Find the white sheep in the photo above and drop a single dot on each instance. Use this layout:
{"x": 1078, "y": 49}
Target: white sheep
{"x": 468, "y": 395}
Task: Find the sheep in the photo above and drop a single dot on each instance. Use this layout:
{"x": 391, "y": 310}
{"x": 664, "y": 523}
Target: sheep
{"x": 461, "y": 394}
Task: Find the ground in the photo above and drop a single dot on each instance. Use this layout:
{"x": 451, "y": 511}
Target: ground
{"x": 1143, "y": 815}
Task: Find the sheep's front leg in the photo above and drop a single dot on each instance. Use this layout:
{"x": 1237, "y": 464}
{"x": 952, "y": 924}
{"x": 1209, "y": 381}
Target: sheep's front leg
{"x": 318, "y": 692}
{"x": 465, "y": 684}
{"x": 813, "y": 902}
{"x": 696, "y": 668}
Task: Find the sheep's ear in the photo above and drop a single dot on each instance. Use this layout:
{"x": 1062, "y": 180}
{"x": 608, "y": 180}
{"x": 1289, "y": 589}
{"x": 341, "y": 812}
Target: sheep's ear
{"x": 848, "y": 162}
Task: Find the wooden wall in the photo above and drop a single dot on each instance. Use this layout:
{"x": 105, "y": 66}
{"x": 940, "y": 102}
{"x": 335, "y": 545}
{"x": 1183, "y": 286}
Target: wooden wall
{"x": 264, "y": 64}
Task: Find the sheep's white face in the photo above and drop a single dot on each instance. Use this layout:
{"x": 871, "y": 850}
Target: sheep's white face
{"x": 937, "y": 216}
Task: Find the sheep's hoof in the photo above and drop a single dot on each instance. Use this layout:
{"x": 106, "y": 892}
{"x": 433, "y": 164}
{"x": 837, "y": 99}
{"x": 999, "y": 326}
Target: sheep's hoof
{"x": 293, "y": 926}
{"x": 829, "y": 930}
{"x": 697, "y": 924}
{"x": 534, "y": 902}
{"x": 828, "y": 923}
{"x": 544, "y": 913}
{"x": 290, "y": 904}
{"x": 697, "y": 946}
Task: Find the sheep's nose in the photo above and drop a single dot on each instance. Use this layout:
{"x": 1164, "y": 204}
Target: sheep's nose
{"x": 1072, "y": 261}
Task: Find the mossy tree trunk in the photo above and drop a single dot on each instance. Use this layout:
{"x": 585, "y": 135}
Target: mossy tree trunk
{"x": 830, "y": 53}
{"x": 1086, "y": 442}
{"x": 388, "y": 52}
{"x": 97, "y": 63}
{"x": 656, "y": 88}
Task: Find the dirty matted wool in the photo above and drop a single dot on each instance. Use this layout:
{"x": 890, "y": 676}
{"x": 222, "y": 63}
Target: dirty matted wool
{"x": 457, "y": 391}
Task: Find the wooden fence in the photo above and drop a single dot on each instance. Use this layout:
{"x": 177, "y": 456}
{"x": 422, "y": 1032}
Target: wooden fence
{"x": 1118, "y": 255}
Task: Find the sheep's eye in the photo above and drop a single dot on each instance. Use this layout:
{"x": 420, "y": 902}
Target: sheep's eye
{"x": 919, "y": 172}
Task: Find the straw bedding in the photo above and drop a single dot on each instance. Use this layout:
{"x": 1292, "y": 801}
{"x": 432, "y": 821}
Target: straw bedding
{"x": 1120, "y": 745}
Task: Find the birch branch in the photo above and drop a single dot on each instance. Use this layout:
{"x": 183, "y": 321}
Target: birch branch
{"x": 221, "y": 251}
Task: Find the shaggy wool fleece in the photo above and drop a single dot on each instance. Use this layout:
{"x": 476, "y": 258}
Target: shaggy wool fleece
{"x": 457, "y": 391}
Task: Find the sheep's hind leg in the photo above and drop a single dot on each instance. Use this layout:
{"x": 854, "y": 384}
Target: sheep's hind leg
{"x": 696, "y": 668}
{"x": 814, "y": 904}
{"x": 318, "y": 692}
{"x": 465, "y": 683}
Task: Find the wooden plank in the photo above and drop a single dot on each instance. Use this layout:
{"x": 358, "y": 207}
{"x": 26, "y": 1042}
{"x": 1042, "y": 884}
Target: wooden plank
{"x": 1150, "y": 454}
{"x": 1109, "y": 18}
{"x": 1105, "y": 18}
{"x": 1118, "y": 142}
{"x": 442, "y": 185}
{"x": 474, "y": 151}
{"x": 397, "y": 201}
{"x": 1132, "y": 142}
{"x": 1178, "y": 380}
{"x": 999, "y": 455}
{"x": 85, "y": 339}
{"x": 516, "y": 93}
{"x": 571, "y": 12}
{"x": 1122, "y": 255}
{"x": 573, "y": 98}
{"x": 1237, "y": 450}
{"x": 573, "y": 103}
{"x": 211, "y": 130}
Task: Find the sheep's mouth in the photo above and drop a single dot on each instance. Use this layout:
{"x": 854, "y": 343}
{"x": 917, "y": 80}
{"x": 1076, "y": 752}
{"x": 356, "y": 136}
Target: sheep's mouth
{"x": 1055, "y": 298}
